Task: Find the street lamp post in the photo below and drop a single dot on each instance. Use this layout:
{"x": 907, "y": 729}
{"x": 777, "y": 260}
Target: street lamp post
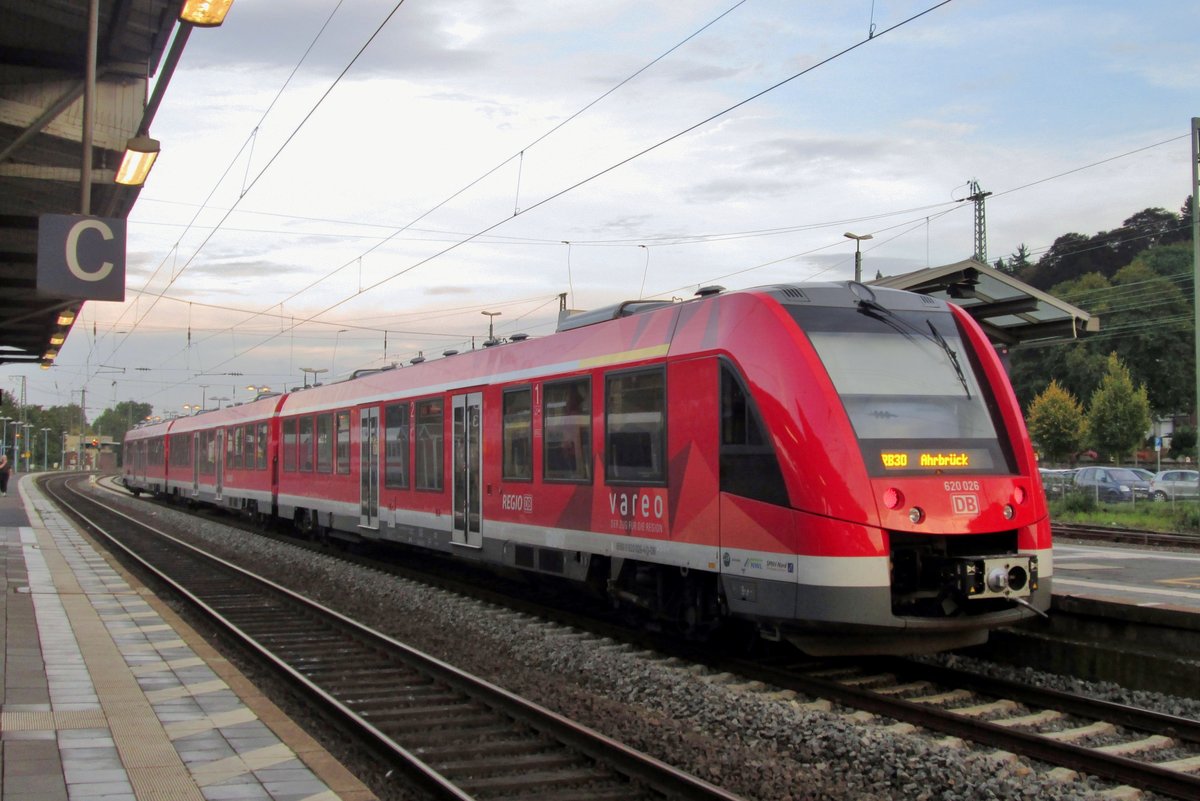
{"x": 858, "y": 240}
{"x": 4, "y": 438}
{"x": 258, "y": 390}
{"x": 220, "y": 400}
{"x": 28, "y": 447}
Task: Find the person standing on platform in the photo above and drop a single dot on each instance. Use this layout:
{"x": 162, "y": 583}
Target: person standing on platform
{"x": 5, "y": 469}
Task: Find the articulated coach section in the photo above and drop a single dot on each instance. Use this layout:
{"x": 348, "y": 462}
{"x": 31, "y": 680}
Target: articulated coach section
{"x": 842, "y": 466}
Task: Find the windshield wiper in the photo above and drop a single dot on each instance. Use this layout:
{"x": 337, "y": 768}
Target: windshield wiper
{"x": 938, "y": 338}
{"x": 874, "y": 309}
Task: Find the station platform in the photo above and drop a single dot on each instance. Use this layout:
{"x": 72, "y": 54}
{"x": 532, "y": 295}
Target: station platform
{"x": 108, "y": 696}
{"x": 1125, "y": 574}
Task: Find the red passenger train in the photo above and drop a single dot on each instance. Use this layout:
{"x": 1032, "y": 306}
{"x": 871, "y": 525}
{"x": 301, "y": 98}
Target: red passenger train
{"x": 845, "y": 466}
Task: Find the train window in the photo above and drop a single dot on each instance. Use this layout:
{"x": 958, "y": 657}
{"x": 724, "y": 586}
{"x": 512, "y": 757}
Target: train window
{"x": 395, "y": 469}
{"x": 228, "y": 448}
{"x": 289, "y": 445}
{"x": 239, "y": 446}
{"x": 635, "y": 426}
{"x": 343, "y": 442}
{"x": 208, "y": 455}
{"x": 518, "y": 435}
{"x": 247, "y": 459}
{"x": 180, "y": 450}
{"x": 304, "y": 449}
{"x": 748, "y": 466}
{"x": 430, "y": 436}
{"x": 260, "y": 446}
{"x": 567, "y": 430}
{"x": 158, "y": 451}
{"x": 324, "y": 443}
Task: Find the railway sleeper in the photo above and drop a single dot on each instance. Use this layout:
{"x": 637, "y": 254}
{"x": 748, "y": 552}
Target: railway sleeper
{"x": 505, "y": 765}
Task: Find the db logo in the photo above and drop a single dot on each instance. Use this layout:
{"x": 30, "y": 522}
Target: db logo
{"x": 965, "y": 504}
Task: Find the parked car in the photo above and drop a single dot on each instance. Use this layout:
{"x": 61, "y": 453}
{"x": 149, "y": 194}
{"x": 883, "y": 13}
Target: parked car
{"x": 1174, "y": 484}
{"x": 1112, "y": 484}
{"x": 1057, "y": 483}
{"x": 1143, "y": 472}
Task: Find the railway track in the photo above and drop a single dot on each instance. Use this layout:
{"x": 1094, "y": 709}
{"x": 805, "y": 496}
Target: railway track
{"x": 1125, "y": 744}
{"x": 454, "y": 735}
{"x": 1131, "y": 536}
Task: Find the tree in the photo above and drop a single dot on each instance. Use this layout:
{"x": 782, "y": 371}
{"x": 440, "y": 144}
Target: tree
{"x": 1152, "y": 318}
{"x": 116, "y": 421}
{"x": 1146, "y": 318}
{"x": 1183, "y": 443}
{"x": 1017, "y": 263}
{"x": 1119, "y": 415}
{"x": 1056, "y": 423}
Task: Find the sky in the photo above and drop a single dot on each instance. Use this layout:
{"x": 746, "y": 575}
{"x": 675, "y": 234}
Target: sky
{"x": 349, "y": 185}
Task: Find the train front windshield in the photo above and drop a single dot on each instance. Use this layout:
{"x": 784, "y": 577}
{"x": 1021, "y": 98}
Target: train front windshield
{"x": 910, "y": 387}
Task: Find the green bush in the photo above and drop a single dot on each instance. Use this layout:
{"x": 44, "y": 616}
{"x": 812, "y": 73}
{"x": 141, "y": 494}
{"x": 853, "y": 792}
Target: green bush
{"x": 1079, "y": 502}
{"x": 1187, "y": 517}
{"x": 1081, "y": 507}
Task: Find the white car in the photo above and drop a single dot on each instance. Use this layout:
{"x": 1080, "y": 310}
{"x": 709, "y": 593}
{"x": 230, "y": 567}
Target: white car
{"x": 1175, "y": 484}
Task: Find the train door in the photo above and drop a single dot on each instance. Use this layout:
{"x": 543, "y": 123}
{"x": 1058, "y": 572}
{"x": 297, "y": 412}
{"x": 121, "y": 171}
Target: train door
{"x": 368, "y": 467}
{"x": 195, "y": 464}
{"x": 468, "y": 469}
{"x": 220, "y": 466}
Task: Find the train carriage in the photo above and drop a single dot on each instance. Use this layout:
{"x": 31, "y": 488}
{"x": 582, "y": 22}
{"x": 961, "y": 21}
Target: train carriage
{"x": 145, "y": 458}
{"x": 226, "y": 457}
{"x": 844, "y": 466}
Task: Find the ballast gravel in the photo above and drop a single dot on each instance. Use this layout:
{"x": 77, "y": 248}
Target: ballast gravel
{"x": 745, "y": 739}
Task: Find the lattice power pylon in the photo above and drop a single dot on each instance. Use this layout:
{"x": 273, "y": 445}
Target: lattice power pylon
{"x": 977, "y": 195}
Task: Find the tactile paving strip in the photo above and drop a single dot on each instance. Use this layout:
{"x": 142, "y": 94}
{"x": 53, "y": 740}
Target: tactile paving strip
{"x": 143, "y": 717}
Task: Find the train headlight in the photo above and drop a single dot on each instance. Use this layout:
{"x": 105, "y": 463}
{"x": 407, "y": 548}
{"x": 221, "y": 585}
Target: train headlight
{"x": 916, "y": 514}
{"x": 1009, "y": 511}
{"x": 893, "y": 498}
{"x": 1019, "y": 495}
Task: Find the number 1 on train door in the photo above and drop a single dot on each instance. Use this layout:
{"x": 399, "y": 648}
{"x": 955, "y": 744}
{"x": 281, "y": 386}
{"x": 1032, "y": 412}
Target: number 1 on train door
{"x": 468, "y": 469}
{"x": 368, "y": 467}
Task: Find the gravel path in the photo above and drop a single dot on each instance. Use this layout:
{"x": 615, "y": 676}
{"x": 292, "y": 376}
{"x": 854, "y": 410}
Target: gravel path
{"x": 759, "y": 745}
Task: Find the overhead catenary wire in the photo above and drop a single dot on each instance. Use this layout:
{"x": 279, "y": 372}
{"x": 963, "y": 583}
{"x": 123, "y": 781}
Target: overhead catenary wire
{"x": 640, "y": 239}
{"x": 519, "y": 154}
{"x": 247, "y": 186}
{"x": 583, "y": 182}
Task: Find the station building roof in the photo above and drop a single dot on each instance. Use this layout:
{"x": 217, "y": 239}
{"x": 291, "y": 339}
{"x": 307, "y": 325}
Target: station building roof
{"x": 43, "y": 54}
{"x": 1010, "y": 311}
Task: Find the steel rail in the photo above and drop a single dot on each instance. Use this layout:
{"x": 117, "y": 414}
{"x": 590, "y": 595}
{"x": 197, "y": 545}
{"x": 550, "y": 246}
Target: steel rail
{"x": 1116, "y": 768}
{"x": 1136, "y": 536}
{"x": 1121, "y": 769}
{"x": 635, "y": 766}
{"x": 1133, "y": 717}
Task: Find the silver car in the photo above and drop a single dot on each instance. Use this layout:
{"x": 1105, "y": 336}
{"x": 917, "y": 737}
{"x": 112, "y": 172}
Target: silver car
{"x": 1175, "y": 484}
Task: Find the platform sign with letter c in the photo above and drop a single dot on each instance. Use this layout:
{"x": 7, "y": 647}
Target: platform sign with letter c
{"x": 81, "y": 257}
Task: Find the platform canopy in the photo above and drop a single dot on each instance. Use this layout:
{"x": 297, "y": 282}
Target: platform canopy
{"x": 1010, "y": 311}
{"x": 43, "y": 59}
